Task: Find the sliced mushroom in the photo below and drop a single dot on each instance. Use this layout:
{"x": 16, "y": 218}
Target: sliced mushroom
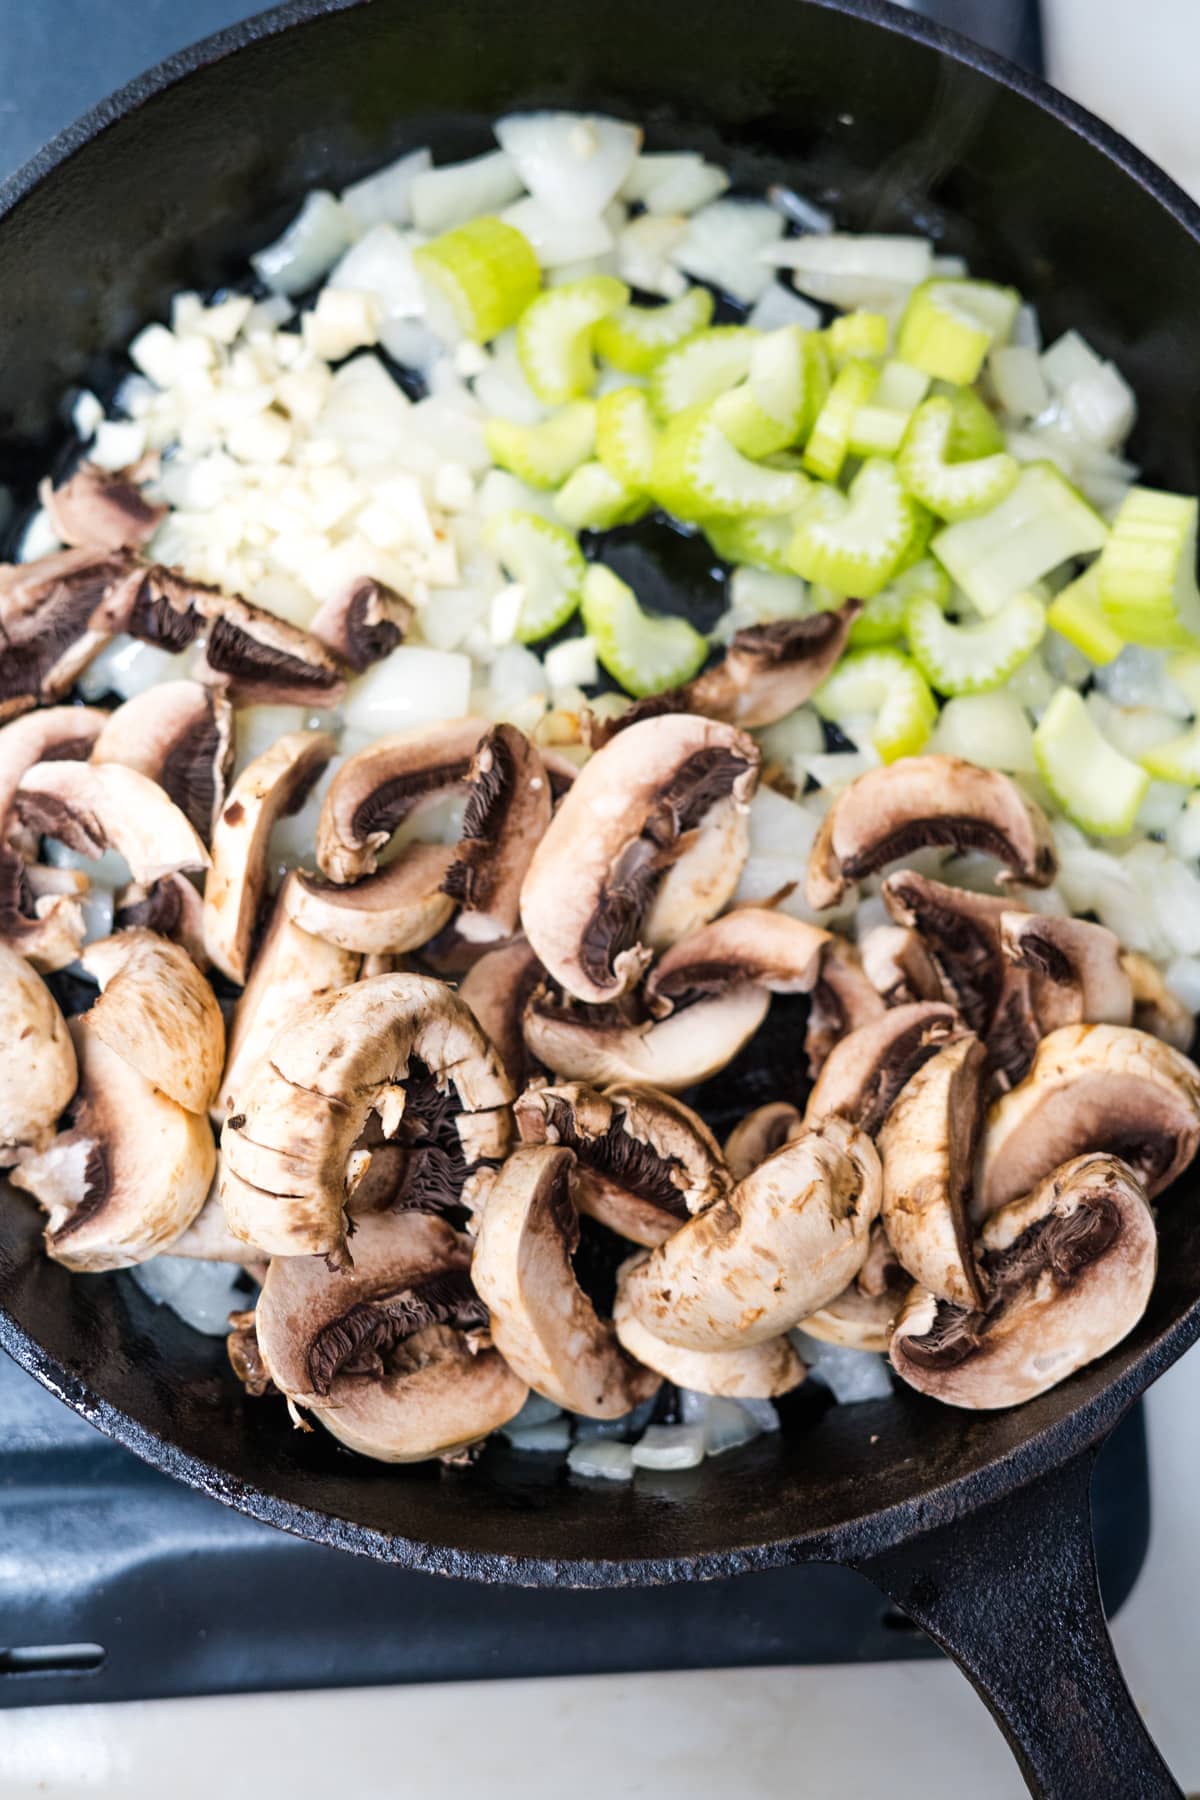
{"x": 1155, "y": 1008}
{"x": 862, "y": 1315}
{"x": 364, "y": 623}
{"x": 1076, "y": 974}
{"x": 127, "y": 1175}
{"x": 101, "y": 508}
{"x": 171, "y": 907}
{"x": 376, "y": 790}
{"x": 275, "y": 784}
{"x": 542, "y": 1322}
{"x": 52, "y": 734}
{"x": 767, "y": 1129}
{"x": 927, "y": 1144}
{"x": 41, "y": 915}
{"x": 155, "y": 604}
{"x": 262, "y": 659}
{"x": 180, "y": 734}
{"x": 157, "y": 1011}
{"x": 599, "y": 1044}
{"x": 48, "y": 626}
{"x": 391, "y": 1356}
{"x": 398, "y": 908}
{"x": 1068, "y": 1271}
{"x": 863, "y": 1074}
{"x": 1091, "y": 1087}
{"x": 301, "y": 1109}
{"x": 290, "y": 968}
{"x": 646, "y": 846}
{"x": 751, "y": 944}
{"x": 94, "y": 807}
{"x": 756, "y": 1372}
{"x": 37, "y": 1060}
{"x": 898, "y": 966}
{"x": 497, "y": 989}
{"x": 507, "y": 812}
{"x": 644, "y": 1162}
{"x": 843, "y": 1000}
{"x": 788, "y": 1240}
{"x": 891, "y": 811}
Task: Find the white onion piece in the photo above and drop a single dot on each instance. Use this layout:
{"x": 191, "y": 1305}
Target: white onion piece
{"x": 87, "y": 414}
{"x": 851, "y": 271}
{"x": 798, "y": 210}
{"x": 502, "y": 389}
{"x": 412, "y": 686}
{"x": 536, "y": 1411}
{"x": 445, "y": 197}
{"x": 108, "y": 870}
{"x": 992, "y": 730}
{"x": 501, "y": 492}
{"x": 118, "y": 443}
{"x": 97, "y": 906}
{"x": 1017, "y": 380}
{"x": 687, "y": 189}
{"x": 294, "y": 836}
{"x": 644, "y": 255}
{"x": 39, "y": 538}
{"x": 799, "y": 734}
{"x": 1161, "y": 805}
{"x": 202, "y": 1294}
{"x": 651, "y": 169}
{"x": 366, "y": 413}
{"x": 778, "y": 305}
{"x": 1183, "y": 979}
{"x": 573, "y": 163}
{"x": 1131, "y": 729}
{"x": 1138, "y": 677}
{"x": 127, "y": 667}
{"x": 725, "y": 243}
{"x": 550, "y": 1439}
{"x": 559, "y": 239}
{"x": 309, "y": 247}
{"x": 384, "y": 197}
{"x": 412, "y": 343}
{"x": 571, "y": 663}
{"x": 256, "y": 728}
{"x": 670, "y": 1447}
{"x": 1183, "y": 833}
{"x": 381, "y": 264}
{"x": 601, "y": 1459}
{"x": 451, "y": 614}
{"x": 852, "y": 1375}
{"x": 726, "y": 1424}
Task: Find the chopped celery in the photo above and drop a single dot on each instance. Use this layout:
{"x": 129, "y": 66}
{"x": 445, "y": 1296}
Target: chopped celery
{"x": 973, "y": 659}
{"x": 646, "y": 653}
{"x": 923, "y": 527}
{"x": 484, "y": 271}
{"x": 829, "y": 439}
{"x": 635, "y": 338}
{"x": 855, "y": 542}
{"x": 950, "y": 325}
{"x": 698, "y": 474}
{"x": 756, "y": 540}
{"x": 1148, "y": 569}
{"x": 1095, "y": 785}
{"x": 889, "y": 685}
{"x": 877, "y": 431}
{"x": 768, "y": 410}
{"x": 881, "y": 620}
{"x": 626, "y": 435}
{"x": 859, "y": 333}
{"x": 1176, "y": 760}
{"x": 703, "y": 366}
{"x": 544, "y": 454}
{"x": 1077, "y": 615}
{"x": 594, "y": 499}
{"x": 1184, "y": 670}
{"x": 975, "y": 431}
{"x": 901, "y": 387}
{"x": 546, "y": 563}
{"x": 1037, "y": 527}
{"x": 992, "y": 730}
{"x": 554, "y": 336}
{"x": 954, "y": 490}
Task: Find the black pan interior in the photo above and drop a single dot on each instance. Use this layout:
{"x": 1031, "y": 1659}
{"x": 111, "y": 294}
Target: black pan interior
{"x": 857, "y": 106}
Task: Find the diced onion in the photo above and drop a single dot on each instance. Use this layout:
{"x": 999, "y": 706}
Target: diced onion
{"x": 413, "y": 686}
{"x": 384, "y": 197}
{"x": 573, "y": 163}
{"x": 309, "y": 247}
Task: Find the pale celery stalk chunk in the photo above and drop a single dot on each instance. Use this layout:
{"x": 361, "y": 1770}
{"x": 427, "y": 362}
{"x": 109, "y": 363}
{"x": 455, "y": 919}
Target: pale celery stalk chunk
{"x": 704, "y": 365}
{"x": 698, "y": 474}
{"x": 544, "y": 454}
{"x": 636, "y": 338}
{"x": 1147, "y": 571}
{"x": 1041, "y": 524}
{"x": 953, "y": 490}
{"x": 1097, "y": 787}
{"x": 546, "y": 563}
{"x": 484, "y": 272}
{"x": 950, "y": 325}
{"x": 593, "y": 499}
{"x": 555, "y": 336}
{"x": 766, "y": 412}
{"x": 627, "y": 435}
{"x": 887, "y": 684}
{"x": 976, "y": 657}
{"x": 855, "y": 542}
{"x": 646, "y": 653}
{"x": 1076, "y": 613}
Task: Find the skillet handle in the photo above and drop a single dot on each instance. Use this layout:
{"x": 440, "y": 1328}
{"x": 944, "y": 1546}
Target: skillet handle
{"x": 1010, "y": 1593}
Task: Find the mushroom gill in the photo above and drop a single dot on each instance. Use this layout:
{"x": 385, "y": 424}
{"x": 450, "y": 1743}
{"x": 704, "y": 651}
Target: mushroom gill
{"x": 377, "y": 789}
{"x": 750, "y": 944}
{"x": 180, "y": 734}
{"x": 507, "y": 812}
{"x": 364, "y": 623}
{"x": 863, "y": 1074}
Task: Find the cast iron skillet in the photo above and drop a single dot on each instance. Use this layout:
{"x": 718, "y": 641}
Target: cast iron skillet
{"x": 977, "y": 1526}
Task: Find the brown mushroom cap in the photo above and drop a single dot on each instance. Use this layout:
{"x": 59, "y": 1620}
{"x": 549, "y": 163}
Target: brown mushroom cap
{"x": 276, "y": 783}
{"x": 497, "y": 989}
{"x": 398, "y": 908}
{"x": 171, "y": 907}
{"x": 646, "y": 845}
{"x": 37, "y": 1059}
{"x": 157, "y": 1011}
{"x": 52, "y": 734}
{"x": 507, "y": 812}
{"x": 376, "y": 790}
{"x": 49, "y": 629}
{"x": 1075, "y": 968}
{"x": 788, "y": 1239}
{"x": 93, "y": 807}
{"x": 1068, "y": 1270}
{"x": 755, "y": 1372}
{"x": 862, "y": 1315}
{"x": 388, "y": 1355}
{"x": 261, "y": 658}
{"x": 898, "y": 966}
{"x": 364, "y": 623}
{"x": 542, "y": 1322}
{"x": 600, "y": 1044}
{"x": 863, "y": 1074}
{"x": 752, "y": 944}
{"x": 891, "y": 811}
{"x": 767, "y": 1129}
{"x": 180, "y": 734}
{"x": 128, "y": 1175}
{"x": 103, "y": 509}
{"x": 927, "y": 1144}
{"x": 42, "y": 923}
{"x": 1155, "y": 1008}
{"x": 1091, "y": 1087}
{"x": 302, "y": 1108}
{"x": 843, "y": 1000}
{"x": 769, "y": 670}
{"x": 644, "y": 1162}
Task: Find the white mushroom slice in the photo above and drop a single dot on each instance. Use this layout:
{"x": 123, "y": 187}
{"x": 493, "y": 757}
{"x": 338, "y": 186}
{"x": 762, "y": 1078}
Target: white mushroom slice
{"x": 103, "y": 509}
{"x": 364, "y": 623}
{"x": 767, "y": 1129}
{"x": 391, "y": 1355}
{"x": 129, "y": 1174}
{"x": 755, "y": 1372}
{"x": 863, "y": 1074}
{"x": 843, "y": 1000}
{"x": 52, "y": 734}
{"x": 1068, "y": 1271}
{"x": 50, "y": 624}
{"x": 582, "y": 1043}
{"x": 375, "y": 790}
{"x": 398, "y": 908}
{"x": 508, "y": 810}
{"x": 752, "y": 944}
{"x": 171, "y": 906}
{"x": 497, "y": 989}
{"x": 274, "y": 784}
{"x": 261, "y": 658}
{"x": 644, "y": 1162}
{"x": 542, "y": 1322}
{"x": 1091, "y": 1087}
{"x": 788, "y": 1239}
{"x": 891, "y": 811}
{"x": 1155, "y": 1008}
{"x": 157, "y": 1011}
{"x": 898, "y": 966}
{"x": 862, "y": 1315}
{"x": 41, "y": 915}
{"x": 94, "y": 807}
{"x": 927, "y": 1144}
{"x": 1076, "y": 974}
{"x": 37, "y": 1059}
{"x": 645, "y": 846}
{"x": 302, "y": 1108}
{"x": 180, "y": 734}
